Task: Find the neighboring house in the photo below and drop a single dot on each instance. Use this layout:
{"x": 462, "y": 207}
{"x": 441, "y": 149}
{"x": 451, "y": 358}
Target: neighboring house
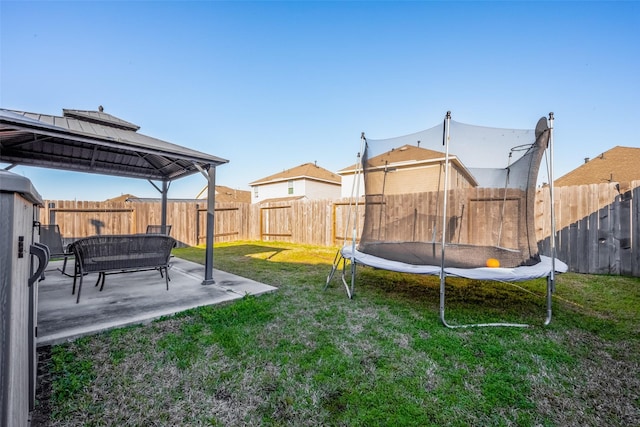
{"x": 307, "y": 181}
{"x": 619, "y": 164}
{"x": 223, "y": 194}
{"x": 135, "y": 199}
{"x": 407, "y": 169}
{"x": 122, "y": 198}
{"x": 226, "y": 194}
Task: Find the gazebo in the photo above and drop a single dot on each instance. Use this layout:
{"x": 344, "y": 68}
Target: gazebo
{"x": 100, "y": 143}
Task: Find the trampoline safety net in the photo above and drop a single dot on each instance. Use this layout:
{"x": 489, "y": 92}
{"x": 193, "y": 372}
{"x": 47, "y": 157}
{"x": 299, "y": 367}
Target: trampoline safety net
{"x": 475, "y": 186}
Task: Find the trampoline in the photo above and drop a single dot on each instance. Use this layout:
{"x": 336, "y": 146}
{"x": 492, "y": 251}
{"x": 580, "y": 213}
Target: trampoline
{"x": 453, "y": 200}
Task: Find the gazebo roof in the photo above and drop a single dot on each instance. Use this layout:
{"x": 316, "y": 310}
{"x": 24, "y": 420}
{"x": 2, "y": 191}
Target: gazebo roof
{"x": 94, "y": 142}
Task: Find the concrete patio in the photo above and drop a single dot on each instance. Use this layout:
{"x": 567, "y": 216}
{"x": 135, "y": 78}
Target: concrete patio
{"x": 129, "y": 298}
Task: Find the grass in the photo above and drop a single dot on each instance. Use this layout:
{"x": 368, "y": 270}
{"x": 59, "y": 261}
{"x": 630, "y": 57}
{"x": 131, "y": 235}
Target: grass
{"x": 307, "y": 356}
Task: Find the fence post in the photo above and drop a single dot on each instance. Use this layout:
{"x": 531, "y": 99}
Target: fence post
{"x": 635, "y": 232}
{"x": 197, "y": 224}
{"x": 623, "y": 234}
{"x": 52, "y": 213}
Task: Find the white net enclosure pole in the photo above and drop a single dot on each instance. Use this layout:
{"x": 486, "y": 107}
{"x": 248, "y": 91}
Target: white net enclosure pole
{"x": 356, "y": 221}
{"x": 551, "y": 282}
{"x": 445, "y": 141}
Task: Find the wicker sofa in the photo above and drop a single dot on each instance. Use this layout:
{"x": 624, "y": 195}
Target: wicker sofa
{"x": 112, "y": 254}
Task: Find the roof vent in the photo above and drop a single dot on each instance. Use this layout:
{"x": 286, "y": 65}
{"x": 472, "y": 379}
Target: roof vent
{"x": 100, "y": 108}
{"x": 586, "y": 160}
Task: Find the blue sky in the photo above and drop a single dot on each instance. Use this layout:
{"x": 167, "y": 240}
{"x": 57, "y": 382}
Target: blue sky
{"x": 271, "y": 85}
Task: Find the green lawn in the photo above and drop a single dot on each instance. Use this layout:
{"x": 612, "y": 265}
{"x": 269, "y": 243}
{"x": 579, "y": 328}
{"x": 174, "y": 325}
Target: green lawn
{"x": 307, "y": 356}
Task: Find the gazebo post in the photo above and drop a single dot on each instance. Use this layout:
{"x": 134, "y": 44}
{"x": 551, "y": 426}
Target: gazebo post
{"x": 164, "y": 191}
{"x": 163, "y": 215}
{"x": 211, "y": 204}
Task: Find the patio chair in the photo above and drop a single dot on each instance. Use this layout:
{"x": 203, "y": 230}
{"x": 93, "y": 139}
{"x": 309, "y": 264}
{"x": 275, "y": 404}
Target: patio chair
{"x": 157, "y": 229}
{"x": 51, "y": 237}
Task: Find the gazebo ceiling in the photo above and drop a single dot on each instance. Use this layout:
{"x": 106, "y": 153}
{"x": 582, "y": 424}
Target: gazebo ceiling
{"x": 94, "y": 142}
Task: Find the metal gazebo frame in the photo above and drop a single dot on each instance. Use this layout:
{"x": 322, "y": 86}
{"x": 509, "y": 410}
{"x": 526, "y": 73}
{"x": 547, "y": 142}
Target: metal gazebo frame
{"x": 100, "y": 143}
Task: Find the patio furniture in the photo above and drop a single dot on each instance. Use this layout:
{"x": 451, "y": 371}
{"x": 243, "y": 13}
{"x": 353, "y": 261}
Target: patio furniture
{"x": 51, "y": 237}
{"x": 157, "y": 229}
{"x": 112, "y": 254}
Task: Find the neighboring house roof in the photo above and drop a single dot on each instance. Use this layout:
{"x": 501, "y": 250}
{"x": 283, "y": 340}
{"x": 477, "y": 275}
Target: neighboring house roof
{"x": 157, "y": 199}
{"x": 619, "y": 164}
{"x": 223, "y": 194}
{"x": 122, "y": 198}
{"x": 406, "y": 153}
{"x": 304, "y": 171}
{"x": 227, "y": 194}
{"x": 410, "y": 155}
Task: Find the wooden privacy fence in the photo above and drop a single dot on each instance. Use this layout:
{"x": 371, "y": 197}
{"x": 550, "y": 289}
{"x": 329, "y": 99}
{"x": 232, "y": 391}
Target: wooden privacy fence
{"x": 300, "y": 222}
{"x": 597, "y": 225}
{"x": 187, "y": 219}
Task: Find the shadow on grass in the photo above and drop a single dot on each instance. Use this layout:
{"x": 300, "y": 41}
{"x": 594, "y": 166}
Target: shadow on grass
{"x": 289, "y": 267}
{"x": 197, "y": 254}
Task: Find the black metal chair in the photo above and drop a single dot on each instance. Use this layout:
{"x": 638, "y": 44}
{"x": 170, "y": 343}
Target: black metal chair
{"x": 51, "y": 237}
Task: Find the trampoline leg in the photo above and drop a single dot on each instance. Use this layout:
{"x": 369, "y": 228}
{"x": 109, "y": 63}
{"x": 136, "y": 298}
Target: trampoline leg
{"x": 348, "y": 287}
{"x": 336, "y": 263}
{"x": 334, "y": 267}
{"x": 550, "y": 286}
{"x": 353, "y": 278}
{"x": 442, "y": 319}
{"x": 472, "y": 325}
{"x": 443, "y": 282}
